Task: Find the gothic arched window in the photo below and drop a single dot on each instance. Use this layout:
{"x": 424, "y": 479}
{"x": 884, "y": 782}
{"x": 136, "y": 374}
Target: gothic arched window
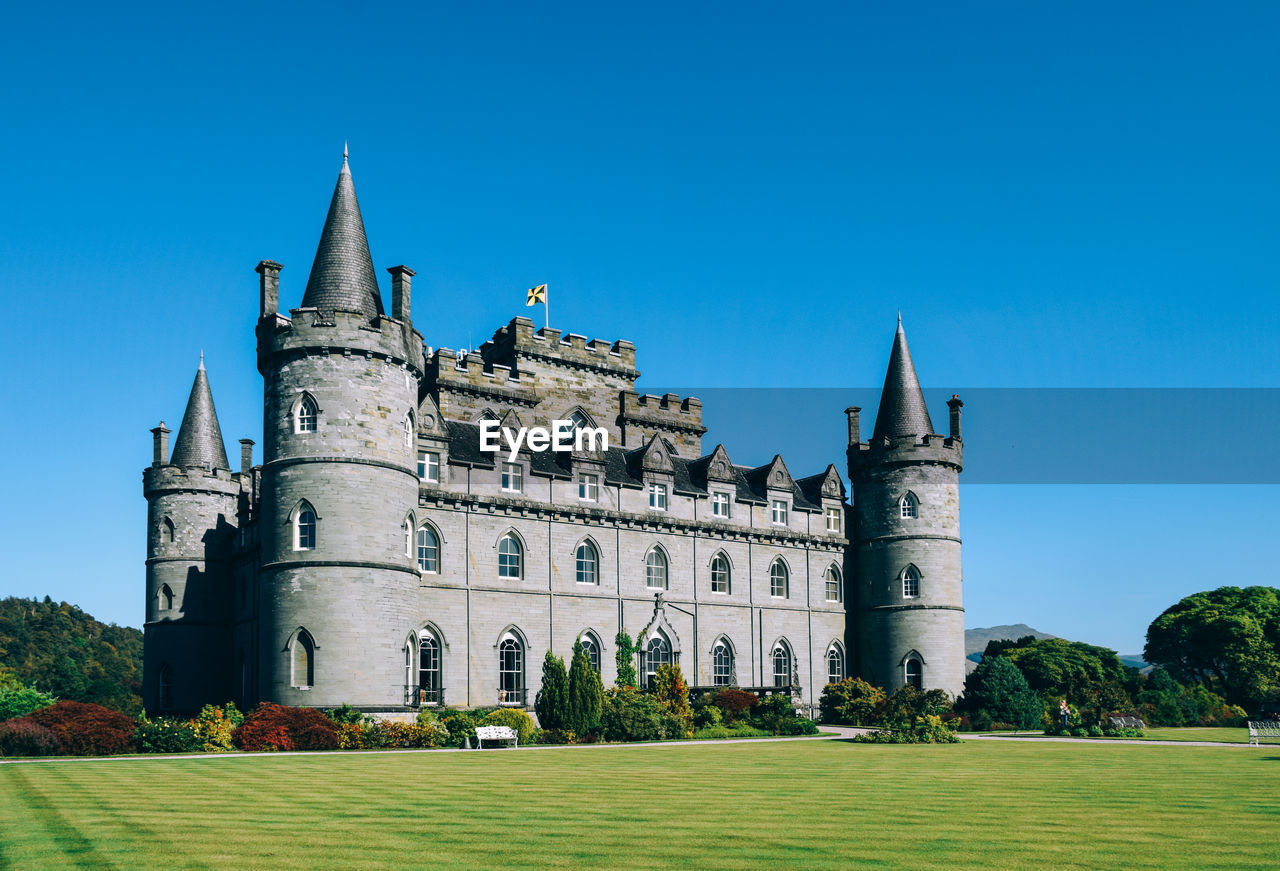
{"x": 910, "y": 583}
{"x": 428, "y": 550}
{"x": 306, "y": 415}
{"x": 913, "y": 671}
{"x": 909, "y": 506}
{"x": 586, "y": 564}
{"x": 720, "y": 574}
{"x": 655, "y": 569}
{"x": 430, "y": 689}
{"x": 835, "y": 590}
{"x": 511, "y": 670}
{"x": 302, "y": 660}
{"x": 721, "y": 664}
{"x": 657, "y": 652}
{"x": 781, "y": 664}
{"x": 779, "y": 580}
{"x": 835, "y": 663}
{"x": 510, "y": 557}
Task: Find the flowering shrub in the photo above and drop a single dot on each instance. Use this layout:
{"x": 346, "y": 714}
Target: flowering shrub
{"x": 214, "y": 727}
{"x": 277, "y": 727}
{"x": 85, "y": 729}
{"x": 25, "y": 738}
{"x": 166, "y": 735}
{"x": 375, "y": 734}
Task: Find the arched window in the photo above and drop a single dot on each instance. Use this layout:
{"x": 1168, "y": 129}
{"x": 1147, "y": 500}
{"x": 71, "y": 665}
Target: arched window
{"x": 302, "y": 661}
{"x": 835, "y": 663}
{"x": 909, "y": 506}
{"x": 657, "y": 652}
{"x": 591, "y": 647}
{"x": 722, "y": 664}
{"x": 166, "y": 531}
{"x": 579, "y": 419}
{"x": 304, "y": 528}
{"x": 428, "y": 550}
{"x": 407, "y": 528}
{"x": 835, "y": 590}
{"x": 779, "y": 580}
{"x": 510, "y": 557}
{"x": 306, "y": 415}
{"x": 408, "y": 670}
{"x": 510, "y": 670}
{"x": 430, "y": 689}
{"x": 910, "y": 583}
{"x": 165, "y": 598}
{"x": 914, "y": 672}
{"x": 164, "y": 688}
{"x": 655, "y": 570}
{"x": 720, "y": 574}
{"x": 781, "y": 664}
{"x": 409, "y": 430}
{"x": 587, "y": 564}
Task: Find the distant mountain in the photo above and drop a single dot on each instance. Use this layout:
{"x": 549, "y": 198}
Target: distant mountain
{"x": 1135, "y": 660}
{"x": 975, "y": 640}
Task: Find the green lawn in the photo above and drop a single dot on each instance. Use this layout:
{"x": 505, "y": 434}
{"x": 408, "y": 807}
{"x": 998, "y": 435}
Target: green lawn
{"x": 1223, "y": 735}
{"x": 817, "y": 804}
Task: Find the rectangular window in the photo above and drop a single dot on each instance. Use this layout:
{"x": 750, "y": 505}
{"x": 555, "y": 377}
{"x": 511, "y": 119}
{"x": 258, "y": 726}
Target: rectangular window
{"x": 658, "y": 497}
{"x": 512, "y": 477}
{"x": 588, "y": 488}
{"x": 833, "y": 520}
{"x": 779, "y": 512}
{"x": 720, "y": 505}
{"x": 429, "y": 466}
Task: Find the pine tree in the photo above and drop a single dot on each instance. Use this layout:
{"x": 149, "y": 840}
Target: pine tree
{"x": 586, "y": 694}
{"x": 552, "y": 701}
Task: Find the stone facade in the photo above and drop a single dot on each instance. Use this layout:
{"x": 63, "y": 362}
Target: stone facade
{"x": 379, "y": 557}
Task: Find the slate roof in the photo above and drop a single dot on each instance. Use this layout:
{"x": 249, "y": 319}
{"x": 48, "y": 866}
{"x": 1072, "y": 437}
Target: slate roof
{"x": 199, "y": 442}
{"x": 342, "y": 276}
{"x": 811, "y": 488}
{"x": 902, "y": 408}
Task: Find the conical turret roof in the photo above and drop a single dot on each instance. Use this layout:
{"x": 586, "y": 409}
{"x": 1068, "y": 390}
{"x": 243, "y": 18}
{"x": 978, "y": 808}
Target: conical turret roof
{"x": 199, "y": 441}
{"x": 342, "y": 275}
{"x": 902, "y": 408}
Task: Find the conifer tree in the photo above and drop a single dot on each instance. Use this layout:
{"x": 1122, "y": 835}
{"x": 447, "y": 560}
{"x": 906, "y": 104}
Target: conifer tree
{"x": 586, "y": 693}
{"x": 553, "y": 699}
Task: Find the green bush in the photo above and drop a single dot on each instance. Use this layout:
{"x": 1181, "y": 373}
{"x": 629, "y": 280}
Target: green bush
{"x": 586, "y": 694}
{"x": 19, "y": 699}
{"x": 345, "y": 714}
{"x": 672, "y": 694}
{"x": 852, "y": 701}
{"x": 707, "y": 715}
{"x": 515, "y": 719}
{"x": 552, "y": 702}
{"x": 461, "y": 726}
{"x": 214, "y": 726}
{"x": 930, "y": 730}
{"x": 167, "y": 735}
{"x": 630, "y": 715}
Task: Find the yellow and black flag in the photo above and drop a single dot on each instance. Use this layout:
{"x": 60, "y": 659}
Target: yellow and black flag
{"x": 537, "y": 295}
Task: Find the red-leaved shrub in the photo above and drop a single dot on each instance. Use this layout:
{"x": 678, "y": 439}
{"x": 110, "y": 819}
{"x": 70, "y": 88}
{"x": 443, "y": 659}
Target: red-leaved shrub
{"x": 85, "y": 729}
{"x": 733, "y": 702}
{"x": 277, "y": 727}
{"x": 24, "y": 738}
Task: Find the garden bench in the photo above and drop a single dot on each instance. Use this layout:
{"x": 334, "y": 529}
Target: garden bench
{"x": 1259, "y": 729}
{"x": 496, "y": 733}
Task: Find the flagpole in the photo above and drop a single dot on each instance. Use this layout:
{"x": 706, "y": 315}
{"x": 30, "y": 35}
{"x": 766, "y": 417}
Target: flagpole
{"x": 546, "y": 305}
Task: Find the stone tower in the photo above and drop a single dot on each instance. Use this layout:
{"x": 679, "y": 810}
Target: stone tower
{"x": 337, "y": 588}
{"x": 909, "y": 612}
{"x": 191, "y": 512}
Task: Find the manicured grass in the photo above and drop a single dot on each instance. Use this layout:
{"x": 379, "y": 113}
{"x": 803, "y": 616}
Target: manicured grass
{"x": 804, "y": 804}
{"x": 1223, "y": 735}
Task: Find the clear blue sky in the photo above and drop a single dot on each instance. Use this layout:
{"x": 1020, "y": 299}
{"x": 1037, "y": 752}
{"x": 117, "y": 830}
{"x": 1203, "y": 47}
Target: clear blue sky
{"x": 1081, "y": 195}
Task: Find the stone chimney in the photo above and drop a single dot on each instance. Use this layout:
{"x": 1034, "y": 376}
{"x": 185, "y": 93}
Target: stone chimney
{"x": 160, "y": 446}
{"x": 855, "y": 427}
{"x": 955, "y": 405}
{"x": 246, "y": 456}
{"x": 269, "y": 287}
{"x": 400, "y": 293}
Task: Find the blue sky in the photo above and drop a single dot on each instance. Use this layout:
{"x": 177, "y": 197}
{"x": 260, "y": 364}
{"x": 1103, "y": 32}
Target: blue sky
{"x": 1066, "y": 196}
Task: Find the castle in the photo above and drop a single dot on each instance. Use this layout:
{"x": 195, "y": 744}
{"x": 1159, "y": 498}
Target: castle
{"x": 379, "y": 556}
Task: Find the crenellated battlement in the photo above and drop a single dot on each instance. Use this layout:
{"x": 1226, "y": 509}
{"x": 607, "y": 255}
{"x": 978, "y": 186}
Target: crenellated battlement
{"x": 166, "y": 479}
{"x": 518, "y": 339}
{"x": 308, "y": 331}
{"x": 645, "y": 415}
{"x": 909, "y": 449}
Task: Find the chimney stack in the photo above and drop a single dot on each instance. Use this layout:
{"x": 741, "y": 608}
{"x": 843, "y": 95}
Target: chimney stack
{"x": 246, "y": 456}
{"x": 400, "y": 279}
{"x": 160, "y": 446}
{"x": 855, "y": 427}
{"x": 955, "y": 405}
{"x": 269, "y": 287}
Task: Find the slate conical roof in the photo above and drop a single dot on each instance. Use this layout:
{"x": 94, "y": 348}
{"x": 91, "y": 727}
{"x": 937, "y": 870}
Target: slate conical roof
{"x": 902, "y": 409}
{"x": 342, "y": 275}
{"x": 199, "y": 441}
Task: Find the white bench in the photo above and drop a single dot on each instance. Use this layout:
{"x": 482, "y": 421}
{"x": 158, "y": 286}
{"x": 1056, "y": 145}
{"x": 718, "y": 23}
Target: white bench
{"x": 496, "y": 733}
{"x": 1259, "y": 729}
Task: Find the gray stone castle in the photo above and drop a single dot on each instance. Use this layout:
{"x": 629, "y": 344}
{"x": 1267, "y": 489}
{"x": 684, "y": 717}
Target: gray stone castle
{"x": 379, "y": 556}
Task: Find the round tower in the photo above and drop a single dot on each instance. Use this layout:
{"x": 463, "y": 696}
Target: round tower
{"x": 338, "y": 589}
{"x": 191, "y": 512}
{"x": 910, "y": 613}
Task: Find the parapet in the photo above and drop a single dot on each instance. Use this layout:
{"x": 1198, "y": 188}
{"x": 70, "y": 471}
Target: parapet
{"x": 519, "y": 339}
{"x": 162, "y": 479}
{"x": 643, "y": 416}
{"x": 307, "y": 331}
{"x": 937, "y": 449}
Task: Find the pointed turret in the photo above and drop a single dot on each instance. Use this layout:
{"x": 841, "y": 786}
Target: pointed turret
{"x": 199, "y": 441}
{"x": 342, "y": 276}
{"x": 902, "y": 408}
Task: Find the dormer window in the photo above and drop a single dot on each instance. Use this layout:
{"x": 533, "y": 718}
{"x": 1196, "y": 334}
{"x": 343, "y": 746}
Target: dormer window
{"x": 778, "y": 512}
{"x": 588, "y": 487}
{"x": 429, "y": 467}
{"x": 658, "y": 497}
{"x": 720, "y": 505}
{"x": 833, "y": 516}
{"x": 512, "y": 477}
